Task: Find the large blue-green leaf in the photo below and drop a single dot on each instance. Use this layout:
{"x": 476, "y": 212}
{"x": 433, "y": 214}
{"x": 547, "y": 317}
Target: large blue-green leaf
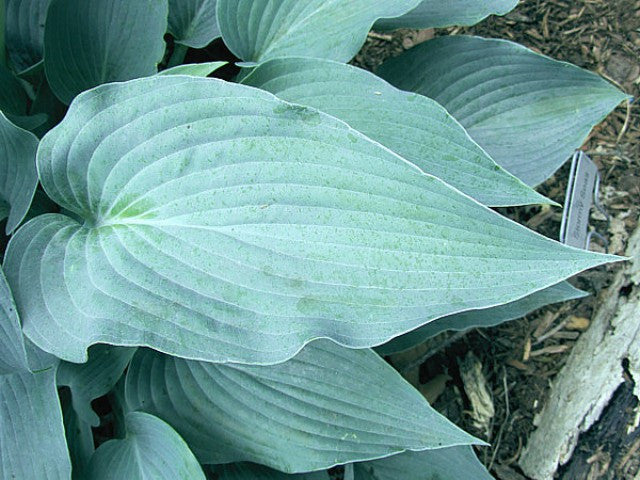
{"x": 445, "y": 13}
{"x": 326, "y": 406}
{"x": 193, "y": 22}
{"x": 90, "y": 42}
{"x": 527, "y": 111}
{"x": 455, "y": 463}
{"x": 150, "y": 450}
{"x": 25, "y": 20}
{"x": 32, "y": 441}
{"x": 94, "y": 378}
{"x": 415, "y": 127}
{"x": 250, "y": 471}
{"x": 220, "y": 223}
{"x": 489, "y": 317}
{"x": 333, "y": 29}
{"x": 18, "y": 177}
{"x": 13, "y": 354}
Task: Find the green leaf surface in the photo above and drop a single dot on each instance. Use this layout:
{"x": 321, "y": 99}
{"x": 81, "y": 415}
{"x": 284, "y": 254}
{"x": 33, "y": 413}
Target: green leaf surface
{"x": 193, "y": 22}
{"x": 150, "y": 450}
{"x": 28, "y": 122}
{"x": 79, "y": 438}
{"x": 333, "y": 29}
{"x": 220, "y": 223}
{"x": 413, "y": 126}
{"x": 14, "y": 102}
{"x": 46, "y": 102}
{"x": 25, "y": 20}
{"x": 90, "y": 42}
{"x": 94, "y": 378}
{"x": 527, "y": 111}
{"x": 32, "y": 441}
{"x": 489, "y": 317}
{"x": 40, "y": 205}
{"x": 250, "y": 471}
{"x": 446, "y": 13}
{"x": 328, "y": 405}
{"x": 195, "y": 69}
{"x": 18, "y": 177}
{"x": 13, "y": 355}
{"x": 455, "y": 463}
{"x": 13, "y": 98}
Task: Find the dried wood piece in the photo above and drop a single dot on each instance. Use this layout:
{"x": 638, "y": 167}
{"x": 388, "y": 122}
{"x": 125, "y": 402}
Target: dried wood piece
{"x": 592, "y": 373}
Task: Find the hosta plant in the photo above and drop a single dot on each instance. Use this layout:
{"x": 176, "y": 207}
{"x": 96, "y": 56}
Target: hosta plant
{"x": 199, "y": 270}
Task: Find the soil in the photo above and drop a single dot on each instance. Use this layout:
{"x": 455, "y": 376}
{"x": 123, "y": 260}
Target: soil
{"x": 520, "y": 358}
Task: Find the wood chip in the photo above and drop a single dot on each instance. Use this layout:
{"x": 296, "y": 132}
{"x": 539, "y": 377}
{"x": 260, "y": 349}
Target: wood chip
{"x": 478, "y": 392}
{"x": 550, "y": 350}
{"x": 577, "y": 323}
{"x": 434, "y": 387}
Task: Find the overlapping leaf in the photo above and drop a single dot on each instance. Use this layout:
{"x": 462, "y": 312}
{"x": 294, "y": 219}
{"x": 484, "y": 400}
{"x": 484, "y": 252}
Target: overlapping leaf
{"x": 25, "y": 20}
{"x": 483, "y": 318}
{"x": 32, "y": 441}
{"x": 193, "y": 22}
{"x": 195, "y": 69}
{"x": 94, "y": 378}
{"x": 13, "y": 98}
{"x": 326, "y": 406}
{"x": 527, "y": 111}
{"x": 333, "y": 29}
{"x": 223, "y": 224}
{"x": 13, "y": 354}
{"x": 18, "y": 177}
{"x": 79, "y": 438}
{"x": 446, "y": 13}
{"x": 249, "y": 471}
{"x": 151, "y": 449}
{"x": 90, "y": 42}
{"x": 411, "y": 125}
{"x": 456, "y": 463}
{"x": 14, "y": 102}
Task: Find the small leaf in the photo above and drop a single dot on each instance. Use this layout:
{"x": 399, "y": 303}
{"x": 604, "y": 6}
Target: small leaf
{"x": 527, "y": 111}
{"x": 90, "y": 42}
{"x": 326, "y": 406}
{"x": 332, "y": 29}
{"x": 250, "y": 471}
{"x": 195, "y": 69}
{"x": 193, "y": 22}
{"x": 32, "y": 440}
{"x": 25, "y": 20}
{"x": 488, "y": 317}
{"x": 219, "y": 223}
{"x": 413, "y": 126}
{"x": 455, "y": 463}
{"x": 447, "y": 13}
{"x": 94, "y": 378}
{"x": 18, "y": 177}
{"x": 151, "y": 449}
